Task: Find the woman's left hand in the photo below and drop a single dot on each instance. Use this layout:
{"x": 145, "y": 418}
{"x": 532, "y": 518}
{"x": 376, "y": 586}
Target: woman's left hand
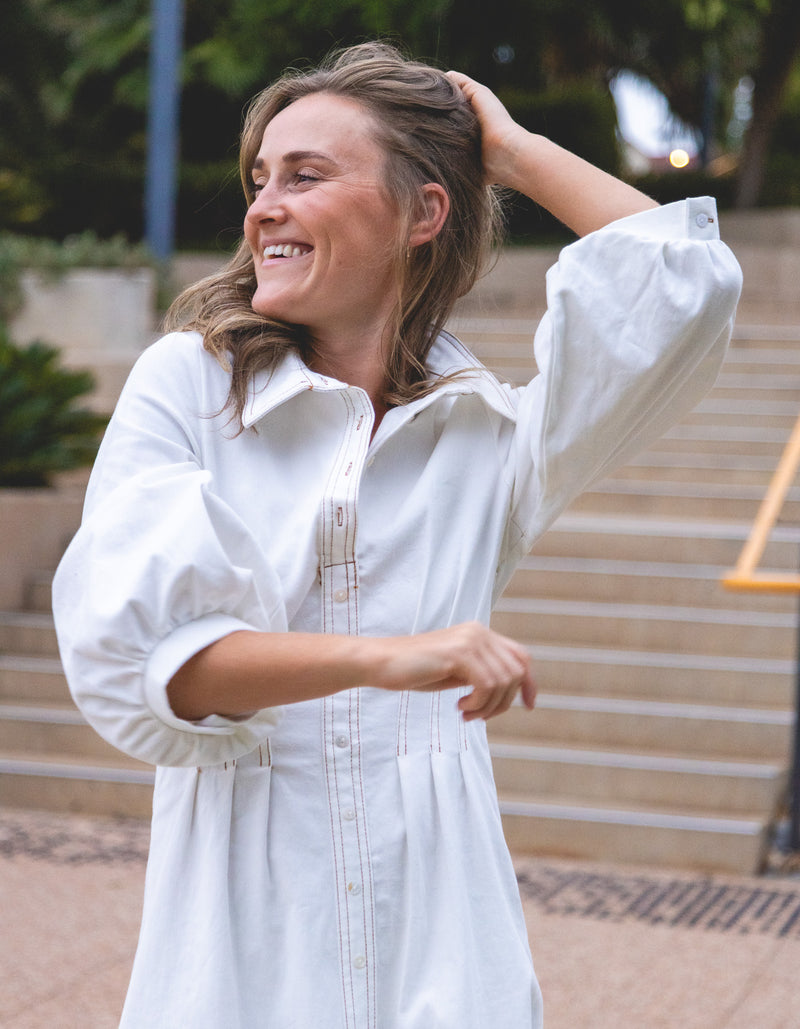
{"x": 500, "y": 134}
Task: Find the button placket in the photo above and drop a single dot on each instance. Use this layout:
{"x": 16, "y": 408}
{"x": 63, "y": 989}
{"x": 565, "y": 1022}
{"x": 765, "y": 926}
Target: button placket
{"x": 339, "y": 581}
{"x": 338, "y": 518}
{"x": 351, "y": 848}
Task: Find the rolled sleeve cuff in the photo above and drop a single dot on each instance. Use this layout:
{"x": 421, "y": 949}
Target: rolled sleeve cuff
{"x": 695, "y": 218}
{"x": 172, "y": 653}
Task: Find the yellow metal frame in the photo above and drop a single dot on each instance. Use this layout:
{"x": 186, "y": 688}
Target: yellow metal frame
{"x": 744, "y": 575}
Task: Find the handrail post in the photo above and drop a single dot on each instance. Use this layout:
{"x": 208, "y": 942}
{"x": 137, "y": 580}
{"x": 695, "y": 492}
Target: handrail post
{"x": 744, "y": 577}
{"x": 794, "y": 779}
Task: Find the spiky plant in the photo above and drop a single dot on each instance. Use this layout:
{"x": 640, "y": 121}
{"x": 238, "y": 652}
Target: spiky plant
{"x": 42, "y": 428}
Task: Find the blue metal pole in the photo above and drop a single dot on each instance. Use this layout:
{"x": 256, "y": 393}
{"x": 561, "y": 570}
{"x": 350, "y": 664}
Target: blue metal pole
{"x": 163, "y": 126}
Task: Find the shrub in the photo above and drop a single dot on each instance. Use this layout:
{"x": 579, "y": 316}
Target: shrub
{"x": 42, "y": 430}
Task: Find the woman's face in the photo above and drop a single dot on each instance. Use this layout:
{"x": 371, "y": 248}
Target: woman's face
{"x": 322, "y": 228}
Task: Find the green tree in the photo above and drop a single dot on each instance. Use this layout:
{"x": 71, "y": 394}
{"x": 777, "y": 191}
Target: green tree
{"x": 777, "y": 56}
{"x": 73, "y": 83}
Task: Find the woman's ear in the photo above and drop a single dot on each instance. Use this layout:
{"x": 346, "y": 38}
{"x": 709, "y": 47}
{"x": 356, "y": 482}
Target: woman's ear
{"x": 435, "y": 206}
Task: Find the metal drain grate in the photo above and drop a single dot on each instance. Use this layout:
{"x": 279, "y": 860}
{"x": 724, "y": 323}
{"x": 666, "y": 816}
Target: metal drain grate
{"x": 688, "y": 903}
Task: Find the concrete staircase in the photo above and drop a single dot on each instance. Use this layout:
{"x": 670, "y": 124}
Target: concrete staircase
{"x": 662, "y": 730}
{"x": 49, "y": 757}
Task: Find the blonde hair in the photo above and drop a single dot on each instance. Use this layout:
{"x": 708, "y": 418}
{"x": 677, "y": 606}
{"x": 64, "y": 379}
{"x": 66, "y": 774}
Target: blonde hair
{"x": 429, "y": 133}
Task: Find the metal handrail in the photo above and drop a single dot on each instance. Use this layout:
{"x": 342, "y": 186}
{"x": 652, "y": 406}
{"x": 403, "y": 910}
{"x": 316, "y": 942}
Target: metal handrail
{"x": 746, "y": 577}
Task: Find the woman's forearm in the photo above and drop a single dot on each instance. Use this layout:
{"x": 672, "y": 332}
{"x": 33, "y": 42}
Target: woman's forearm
{"x": 246, "y": 671}
{"x": 583, "y": 197}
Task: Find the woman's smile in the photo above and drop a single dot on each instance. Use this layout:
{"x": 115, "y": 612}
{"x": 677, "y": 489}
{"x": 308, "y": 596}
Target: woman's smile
{"x": 283, "y": 250}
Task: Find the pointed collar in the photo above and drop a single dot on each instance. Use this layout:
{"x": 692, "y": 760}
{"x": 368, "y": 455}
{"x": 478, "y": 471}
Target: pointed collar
{"x": 447, "y": 356}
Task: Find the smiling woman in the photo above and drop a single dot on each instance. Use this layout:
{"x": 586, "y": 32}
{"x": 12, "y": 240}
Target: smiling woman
{"x": 307, "y": 501}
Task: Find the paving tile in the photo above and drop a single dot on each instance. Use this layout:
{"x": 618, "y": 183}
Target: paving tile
{"x": 614, "y": 948}
{"x": 772, "y": 997}
{"x": 71, "y": 894}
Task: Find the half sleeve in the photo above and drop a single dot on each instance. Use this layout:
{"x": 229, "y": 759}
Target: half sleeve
{"x": 160, "y": 569}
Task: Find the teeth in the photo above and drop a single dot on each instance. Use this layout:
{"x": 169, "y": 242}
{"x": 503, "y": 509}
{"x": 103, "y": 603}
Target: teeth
{"x": 284, "y": 250}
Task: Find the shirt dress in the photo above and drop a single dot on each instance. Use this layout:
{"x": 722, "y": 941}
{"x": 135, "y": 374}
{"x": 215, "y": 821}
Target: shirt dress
{"x": 340, "y": 863}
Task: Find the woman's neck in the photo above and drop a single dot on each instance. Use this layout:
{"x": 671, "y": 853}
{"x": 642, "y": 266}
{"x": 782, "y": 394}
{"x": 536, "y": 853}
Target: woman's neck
{"x": 362, "y": 367}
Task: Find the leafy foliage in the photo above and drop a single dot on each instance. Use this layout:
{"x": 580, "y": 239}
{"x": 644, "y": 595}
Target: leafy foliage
{"x": 42, "y": 430}
{"x": 74, "y": 80}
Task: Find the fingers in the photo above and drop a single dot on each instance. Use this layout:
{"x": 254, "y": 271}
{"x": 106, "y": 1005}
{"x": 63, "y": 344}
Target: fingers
{"x": 464, "y": 82}
{"x": 500, "y": 672}
{"x": 496, "y": 667}
{"x": 499, "y": 132}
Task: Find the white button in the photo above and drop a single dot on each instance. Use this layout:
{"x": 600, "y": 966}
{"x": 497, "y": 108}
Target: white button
{"x": 340, "y": 596}
{"x": 342, "y": 740}
{"x": 359, "y": 961}
{"x": 354, "y": 888}
{"x": 348, "y": 814}
{"x": 701, "y": 221}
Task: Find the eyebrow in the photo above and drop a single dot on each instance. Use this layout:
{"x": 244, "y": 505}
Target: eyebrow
{"x": 295, "y": 156}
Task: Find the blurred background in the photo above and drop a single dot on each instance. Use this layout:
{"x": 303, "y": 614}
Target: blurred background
{"x": 681, "y": 96}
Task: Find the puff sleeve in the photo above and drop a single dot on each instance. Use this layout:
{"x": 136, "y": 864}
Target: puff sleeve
{"x": 639, "y": 315}
{"x": 160, "y": 568}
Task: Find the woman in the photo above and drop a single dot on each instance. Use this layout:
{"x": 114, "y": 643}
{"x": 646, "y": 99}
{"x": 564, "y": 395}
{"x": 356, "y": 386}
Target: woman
{"x": 304, "y": 507}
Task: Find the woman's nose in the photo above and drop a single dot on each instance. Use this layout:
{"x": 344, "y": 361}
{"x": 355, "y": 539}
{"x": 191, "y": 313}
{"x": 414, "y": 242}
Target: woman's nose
{"x": 267, "y": 205}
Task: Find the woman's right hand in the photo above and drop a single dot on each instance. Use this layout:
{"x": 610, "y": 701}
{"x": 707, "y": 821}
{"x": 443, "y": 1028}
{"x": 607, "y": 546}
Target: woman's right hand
{"x": 496, "y": 667}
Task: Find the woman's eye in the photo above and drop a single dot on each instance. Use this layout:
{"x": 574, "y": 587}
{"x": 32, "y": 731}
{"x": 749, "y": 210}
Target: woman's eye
{"x": 306, "y": 176}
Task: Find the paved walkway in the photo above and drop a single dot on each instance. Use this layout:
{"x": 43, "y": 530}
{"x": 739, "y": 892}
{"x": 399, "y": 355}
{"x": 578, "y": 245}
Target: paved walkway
{"x": 614, "y": 948}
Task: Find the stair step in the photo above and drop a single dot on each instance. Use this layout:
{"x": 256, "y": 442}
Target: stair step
{"x": 752, "y": 332}
{"x": 648, "y": 626}
{"x": 718, "y": 434}
{"x": 667, "y": 676}
{"x": 626, "y": 536}
{"x": 48, "y": 729}
{"x": 719, "y": 731}
{"x": 775, "y": 414}
{"x": 701, "y": 463}
{"x": 32, "y": 677}
{"x": 689, "y": 469}
{"x": 710, "y": 437}
{"x": 578, "y": 830}
{"x": 685, "y": 500}
{"x": 28, "y": 632}
{"x": 775, "y": 360}
{"x": 620, "y": 776}
{"x": 62, "y": 783}
{"x": 668, "y": 582}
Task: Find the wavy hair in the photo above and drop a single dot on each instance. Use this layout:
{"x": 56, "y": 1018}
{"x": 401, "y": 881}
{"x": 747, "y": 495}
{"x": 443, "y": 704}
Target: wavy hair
{"x": 429, "y": 133}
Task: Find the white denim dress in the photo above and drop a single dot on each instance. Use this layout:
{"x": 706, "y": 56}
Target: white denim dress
{"x": 340, "y": 863}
